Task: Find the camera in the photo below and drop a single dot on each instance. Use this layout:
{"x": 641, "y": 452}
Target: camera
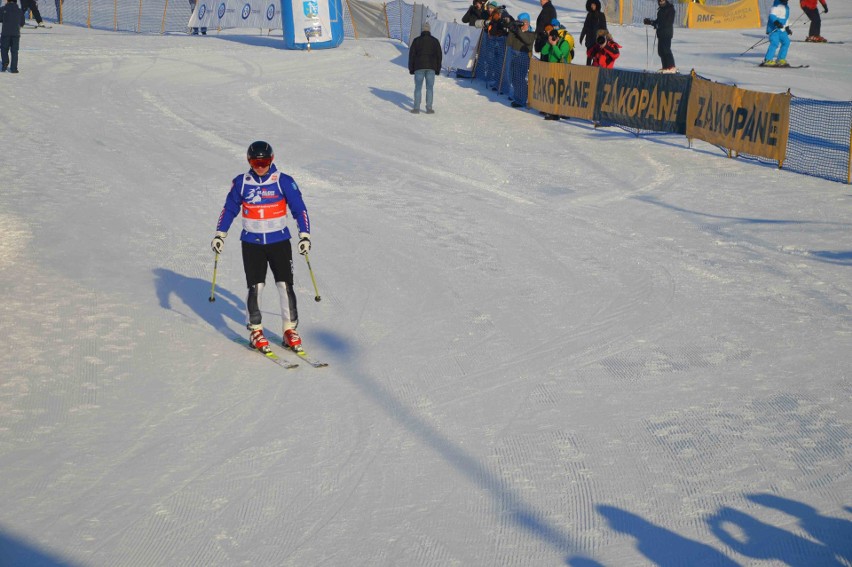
{"x": 554, "y": 34}
{"x": 601, "y": 39}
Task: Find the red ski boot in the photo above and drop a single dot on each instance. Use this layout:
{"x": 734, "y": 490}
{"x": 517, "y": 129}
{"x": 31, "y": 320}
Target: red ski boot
{"x": 257, "y": 339}
{"x": 292, "y": 340}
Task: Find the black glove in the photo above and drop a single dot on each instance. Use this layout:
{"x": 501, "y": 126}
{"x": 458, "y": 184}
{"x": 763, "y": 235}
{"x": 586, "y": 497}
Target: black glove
{"x": 825, "y": 9}
{"x": 788, "y": 30}
{"x": 647, "y": 21}
{"x": 778, "y": 25}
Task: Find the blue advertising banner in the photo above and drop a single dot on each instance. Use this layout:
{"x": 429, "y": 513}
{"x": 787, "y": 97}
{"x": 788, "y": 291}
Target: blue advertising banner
{"x": 646, "y": 101}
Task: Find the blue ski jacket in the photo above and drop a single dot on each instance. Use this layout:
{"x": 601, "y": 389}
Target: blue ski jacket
{"x": 779, "y": 13}
{"x": 263, "y": 204}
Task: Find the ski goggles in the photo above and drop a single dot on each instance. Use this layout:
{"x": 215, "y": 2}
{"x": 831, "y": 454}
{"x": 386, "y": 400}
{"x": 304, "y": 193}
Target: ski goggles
{"x": 260, "y": 163}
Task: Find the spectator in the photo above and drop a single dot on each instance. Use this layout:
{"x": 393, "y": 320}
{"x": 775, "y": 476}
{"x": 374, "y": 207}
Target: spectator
{"x": 779, "y": 35}
{"x": 476, "y": 12}
{"x": 521, "y": 39}
{"x": 809, "y": 7}
{"x": 547, "y": 15}
{"x": 498, "y": 21}
{"x": 664, "y": 24}
{"x": 557, "y": 50}
{"x": 264, "y": 197}
{"x": 12, "y": 18}
{"x": 192, "y": 4}
{"x": 424, "y": 62}
{"x": 32, "y": 6}
{"x": 595, "y": 20}
{"x": 605, "y": 51}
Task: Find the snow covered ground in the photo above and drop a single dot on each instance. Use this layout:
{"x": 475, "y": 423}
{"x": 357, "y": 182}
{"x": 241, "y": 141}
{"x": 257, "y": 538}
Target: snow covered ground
{"x": 549, "y": 344}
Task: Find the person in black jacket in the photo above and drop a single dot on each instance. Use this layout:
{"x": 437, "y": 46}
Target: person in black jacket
{"x": 664, "y": 24}
{"x": 595, "y": 20}
{"x": 547, "y": 15}
{"x": 12, "y": 18}
{"x": 424, "y": 62}
{"x": 475, "y": 13}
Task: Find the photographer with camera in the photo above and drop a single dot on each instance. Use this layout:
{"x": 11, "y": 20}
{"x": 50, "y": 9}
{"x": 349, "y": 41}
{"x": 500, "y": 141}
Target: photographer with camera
{"x": 664, "y": 24}
{"x": 476, "y": 12}
{"x": 497, "y": 24}
{"x": 605, "y": 51}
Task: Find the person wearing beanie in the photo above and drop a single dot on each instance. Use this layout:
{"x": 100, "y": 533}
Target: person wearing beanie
{"x": 11, "y": 20}
{"x": 424, "y": 62}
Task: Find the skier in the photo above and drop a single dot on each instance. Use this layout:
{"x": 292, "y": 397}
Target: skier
{"x": 262, "y": 196}
{"x": 664, "y": 24}
{"x": 809, "y": 7}
{"x": 779, "y": 35}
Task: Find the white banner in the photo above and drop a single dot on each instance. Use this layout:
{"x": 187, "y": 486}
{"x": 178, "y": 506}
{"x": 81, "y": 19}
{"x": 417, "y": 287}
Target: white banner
{"x": 221, "y": 14}
{"x": 459, "y": 42}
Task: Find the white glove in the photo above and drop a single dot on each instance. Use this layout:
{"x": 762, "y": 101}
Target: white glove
{"x": 218, "y": 242}
{"x": 304, "y": 242}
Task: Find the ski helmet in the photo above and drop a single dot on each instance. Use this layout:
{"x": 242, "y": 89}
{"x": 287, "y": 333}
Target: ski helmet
{"x": 260, "y": 149}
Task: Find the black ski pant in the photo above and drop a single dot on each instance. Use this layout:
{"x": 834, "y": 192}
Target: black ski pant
{"x": 664, "y": 49}
{"x": 816, "y": 21}
{"x": 10, "y": 43}
{"x": 33, "y": 6}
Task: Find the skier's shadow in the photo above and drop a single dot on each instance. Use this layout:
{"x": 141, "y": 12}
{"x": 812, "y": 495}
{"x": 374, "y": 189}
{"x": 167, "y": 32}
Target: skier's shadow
{"x": 195, "y": 294}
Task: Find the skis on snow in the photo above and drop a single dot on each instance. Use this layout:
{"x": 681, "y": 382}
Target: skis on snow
{"x": 784, "y": 66}
{"x": 281, "y": 361}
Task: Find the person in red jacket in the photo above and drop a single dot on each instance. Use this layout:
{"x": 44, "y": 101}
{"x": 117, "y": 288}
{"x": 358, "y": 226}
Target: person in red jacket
{"x": 809, "y": 7}
{"x": 604, "y": 52}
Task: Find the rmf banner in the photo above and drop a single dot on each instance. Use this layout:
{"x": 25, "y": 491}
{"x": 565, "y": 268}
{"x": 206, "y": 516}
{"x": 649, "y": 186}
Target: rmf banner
{"x": 739, "y": 15}
{"x": 563, "y": 89}
{"x": 458, "y": 43}
{"x": 744, "y": 121}
{"x": 222, "y": 14}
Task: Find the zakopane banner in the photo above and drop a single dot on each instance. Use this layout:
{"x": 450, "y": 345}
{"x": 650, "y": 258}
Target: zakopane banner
{"x": 224, "y": 14}
{"x": 459, "y": 43}
{"x": 646, "y": 101}
{"x": 744, "y": 121}
{"x": 563, "y": 89}
{"x": 739, "y": 15}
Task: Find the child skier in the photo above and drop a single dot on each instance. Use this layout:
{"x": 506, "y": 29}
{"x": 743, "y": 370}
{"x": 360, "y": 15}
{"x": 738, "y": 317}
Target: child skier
{"x": 779, "y": 35}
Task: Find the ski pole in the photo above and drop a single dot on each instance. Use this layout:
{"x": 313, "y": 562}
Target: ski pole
{"x": 647, "y": 50}
{"x": 213, "y": 285}
{"x": 313, "y": 279}
{"x": 761, "y": 40}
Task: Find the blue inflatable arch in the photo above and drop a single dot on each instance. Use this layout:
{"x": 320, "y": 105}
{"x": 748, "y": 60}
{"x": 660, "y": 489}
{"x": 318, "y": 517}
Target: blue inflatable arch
{"x": 312, "y": 24}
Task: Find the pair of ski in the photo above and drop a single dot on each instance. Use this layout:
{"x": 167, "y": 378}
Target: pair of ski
{"x": 32, "y": 27}
{"x": 784, "y": 66}
{"x": 280, "y": 361}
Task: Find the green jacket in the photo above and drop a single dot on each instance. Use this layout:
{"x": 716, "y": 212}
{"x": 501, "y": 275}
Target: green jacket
{"x": 559, "y": 53}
